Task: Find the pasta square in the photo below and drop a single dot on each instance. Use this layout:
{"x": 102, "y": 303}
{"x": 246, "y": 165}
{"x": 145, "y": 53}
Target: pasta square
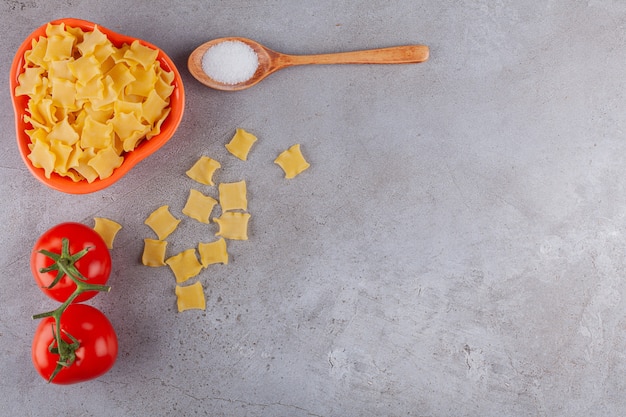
{"x": 63, "y": 93}
{"x": 107, "y": 229}
{"x": 153, "y": 252}
{"x": 102, "y": 115}
{"x": 213, "y": 253}
{"x": 144, "y": 82}
{"x": 292, "y": 161}
{"x": 59, "y": 47}
{"x": 241, "y": 144}
{"x": 91, "y": 40}
{"x": 83, "y": 167}
{"x": 63, "y": 132}
{"x": 121, "y": 76}
{"x": 233, "y": 225}
{"x": 153, "y": 107}
{"x": 184, "y": 265}
{"x": 126, "y": 124}
{"x": 202, "y": 171}
{"x": 103, "y": 55}
{"x": 59, "y": 69}
{"x": 30, "y": 81}
{"x": 140, "y": 54}
{"x": 157, "y": 126}
{"x": 105, "y": 161}
{"x": 85, "y": 68}
{"x": 199, "y": 206}
{"x": 36, "y": 56}
{"x": 233, "y": 196}
{"x": 96, "y": 135}
{"x": 61, "y": 153}
{"x": 190, "y": 297}
{"x": 92, "y": 90}
{"x": 162, "y": 222}
{"x": 41, "y": 157}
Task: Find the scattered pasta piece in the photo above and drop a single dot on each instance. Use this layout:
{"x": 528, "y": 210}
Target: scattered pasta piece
{"x": 184, "y": 265}
{"x": 241, "y": 143}
{"x": 107, "y": 229}
{"x": 90, "y": 101}
{"x": 202, "y": 171}
{"x": 233, "y": 196}
{"x": 154, "y": 252}
{"x": 292, "y": 161}
{"x": 190, "y": 297}
{"x": 199, "y": 206}
{"x": 213, "y": 253}
{"x": 233, "y": 225}
{"x": 162, "y": 222}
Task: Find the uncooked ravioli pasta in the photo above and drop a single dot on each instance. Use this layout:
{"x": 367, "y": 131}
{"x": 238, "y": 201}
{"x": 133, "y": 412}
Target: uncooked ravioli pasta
{"x": 202, "y": 171}
{"x": 162, "y": 222}
{"x": 292, "y": 161}
{"x": 233, "y": 196}
{"x": 107, "y": 229}
{"x": 153, "y": 252}
{"x": 199, "y": 206}
{"x": 90, "y": 101}
{"x": 241, "y": 143}
{"x": 190, "y": 297}
{"x": 184, "y": 265}
{"x": 213, "y": 252}
{"x": 233, "y": 225}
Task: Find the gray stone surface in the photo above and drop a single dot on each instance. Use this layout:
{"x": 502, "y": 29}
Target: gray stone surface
{"x": 455, "y": 249}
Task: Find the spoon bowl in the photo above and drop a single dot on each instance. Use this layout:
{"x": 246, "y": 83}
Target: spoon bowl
{"x": 271, "y": 61}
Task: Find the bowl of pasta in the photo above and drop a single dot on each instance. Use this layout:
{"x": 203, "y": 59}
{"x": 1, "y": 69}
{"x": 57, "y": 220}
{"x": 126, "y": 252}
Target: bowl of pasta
{"x": 90, "y": 103}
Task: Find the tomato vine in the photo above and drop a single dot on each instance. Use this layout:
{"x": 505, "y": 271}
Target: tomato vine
{"x": 65, "y": 265}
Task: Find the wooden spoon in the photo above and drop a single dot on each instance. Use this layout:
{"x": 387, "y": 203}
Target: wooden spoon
{"x": 271, "y": 61}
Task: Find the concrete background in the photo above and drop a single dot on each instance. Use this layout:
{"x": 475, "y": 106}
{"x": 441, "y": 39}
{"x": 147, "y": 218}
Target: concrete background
{"x": 455, "y": 249}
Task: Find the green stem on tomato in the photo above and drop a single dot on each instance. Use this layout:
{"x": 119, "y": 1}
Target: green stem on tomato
{"x": 64, "y": 263}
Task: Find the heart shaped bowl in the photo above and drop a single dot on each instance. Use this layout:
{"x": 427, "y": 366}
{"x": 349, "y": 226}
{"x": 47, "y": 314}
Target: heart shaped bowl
{"x": 131, "y": 158}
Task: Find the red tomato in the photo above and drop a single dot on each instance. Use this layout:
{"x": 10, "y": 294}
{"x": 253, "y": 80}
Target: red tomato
{"x": 96, "y": 351}
{"x": 95, "y": 265}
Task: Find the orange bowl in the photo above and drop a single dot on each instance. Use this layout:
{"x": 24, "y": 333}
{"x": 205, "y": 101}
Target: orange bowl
{"x": 132, "y": 158}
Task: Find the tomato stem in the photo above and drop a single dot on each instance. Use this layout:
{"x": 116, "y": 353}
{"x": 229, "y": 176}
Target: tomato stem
{"x": 64, "y": 263}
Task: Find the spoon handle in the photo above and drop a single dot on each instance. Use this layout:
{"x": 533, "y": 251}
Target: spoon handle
{"x": 407, "y": 54}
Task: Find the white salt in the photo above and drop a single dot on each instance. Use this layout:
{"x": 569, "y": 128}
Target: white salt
{"x": 230, "y": 62}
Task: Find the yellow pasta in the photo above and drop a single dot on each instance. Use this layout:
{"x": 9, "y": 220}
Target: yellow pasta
{"x": 96, "y": 134}
{"x": 91, "y": 40}
{"x": 233, "y": 196}
{"x": 30, "y": 82}
{"x": 202, "y": 171}
{"x": 83, "y": 167}
{"x": 199, "y": 206}
{"x": 233, "y": 225}
{"x": 184, "y": 265}
{"x": 59, "y": 47}
{"x": 107, "y": 229}
{"x": 213, "y": 253}
{"x": 41, "y": 157}
{"x": 292, "y": 161}
{"x": 162, "y": 222}
{"x": 141, "y": 55}
{"x": 88, "y": 93}
{"x": 153, "y": 252}
{"x": 105, "y": 161}
{"x": 241, "y": 143}
{"x": 190, "y": 297}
